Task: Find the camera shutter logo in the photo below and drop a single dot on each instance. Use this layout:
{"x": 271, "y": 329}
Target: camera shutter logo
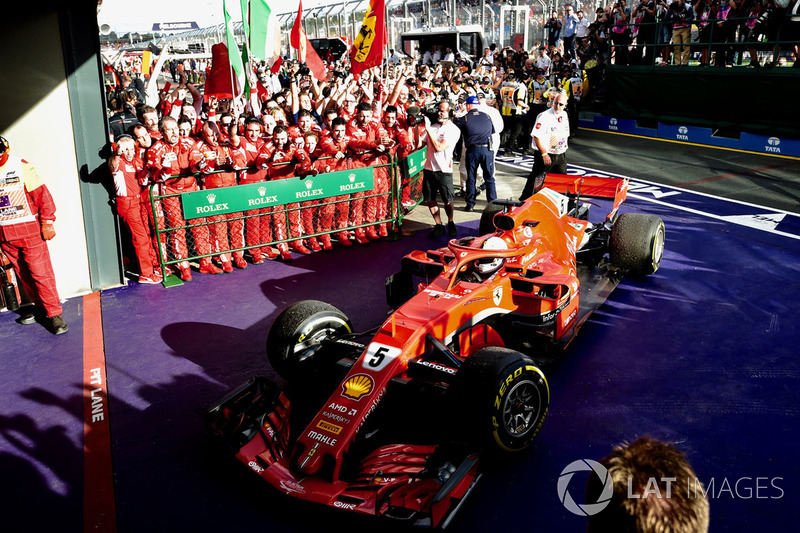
{"x": 774, "y": 141}
{"x": 587, "y": 509}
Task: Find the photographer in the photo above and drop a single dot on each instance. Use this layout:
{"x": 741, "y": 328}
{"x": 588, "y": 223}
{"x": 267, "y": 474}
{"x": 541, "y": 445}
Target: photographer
{"x": 682, "y": 17}
{"x": 437, "y": 177}
{"x": 553, "y": 27}
{"x": 620, "y": 35}
{"x": 646, "y": 38}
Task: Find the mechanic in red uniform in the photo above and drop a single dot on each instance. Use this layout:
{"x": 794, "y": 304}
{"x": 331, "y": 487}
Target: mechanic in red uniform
{"x": 366, "y": 140}
{"x": 208, "y": 157}
{"x": 395, "y": 138}
{"x": 27, "y": 213}
{"x": 282, "y": 159}
{"x": 305, "y": 124}
{"x": 311, "y": 213}
{"x": 259, "y": 221}
{"x": 168, "y": 164}
{"x": 335, "y": 211}
{"x": 127, "y": 170}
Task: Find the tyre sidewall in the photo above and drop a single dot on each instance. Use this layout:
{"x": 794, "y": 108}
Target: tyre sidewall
{"x": 521, "y": 373}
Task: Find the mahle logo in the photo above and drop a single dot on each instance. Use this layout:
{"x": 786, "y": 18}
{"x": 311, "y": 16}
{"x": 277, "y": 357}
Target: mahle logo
{"x": 587, "y": 509}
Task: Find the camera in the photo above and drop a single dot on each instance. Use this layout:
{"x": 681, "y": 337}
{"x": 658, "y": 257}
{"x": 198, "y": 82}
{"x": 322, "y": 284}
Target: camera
{"x": 414, "y": 116}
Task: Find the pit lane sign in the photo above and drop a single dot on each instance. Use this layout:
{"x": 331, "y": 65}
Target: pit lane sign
{"x": 279, "y": 192}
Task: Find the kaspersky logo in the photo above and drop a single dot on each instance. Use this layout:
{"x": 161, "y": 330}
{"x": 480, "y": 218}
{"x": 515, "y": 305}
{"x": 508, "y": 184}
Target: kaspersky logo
{"x": 773, "y": 143}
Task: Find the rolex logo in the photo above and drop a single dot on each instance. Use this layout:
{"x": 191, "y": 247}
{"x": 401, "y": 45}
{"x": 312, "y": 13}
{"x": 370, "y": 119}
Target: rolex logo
{"x": 309, "y": 184}
{"x": 352, "y": 178}
{"x": 262, "y": 191}
{"x": 211, "y": 197}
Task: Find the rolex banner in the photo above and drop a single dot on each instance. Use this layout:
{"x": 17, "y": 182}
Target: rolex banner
{"x": 279, "y": 192}
{"x": 367, "y": 50}
{"x": 414, "y": 163}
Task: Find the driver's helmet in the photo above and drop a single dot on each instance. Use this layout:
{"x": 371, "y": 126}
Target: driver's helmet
{"x": 488, "y": 265}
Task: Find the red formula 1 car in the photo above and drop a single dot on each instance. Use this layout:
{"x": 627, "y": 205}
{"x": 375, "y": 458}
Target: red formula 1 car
{"x": 453, "y": 372}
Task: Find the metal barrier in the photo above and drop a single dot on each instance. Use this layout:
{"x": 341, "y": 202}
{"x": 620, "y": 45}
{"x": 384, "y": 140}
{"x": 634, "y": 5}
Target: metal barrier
{"x": 199, "y": 224}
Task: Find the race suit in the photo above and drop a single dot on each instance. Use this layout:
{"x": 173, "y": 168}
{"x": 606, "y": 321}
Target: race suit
{"x": 169, "y": 165}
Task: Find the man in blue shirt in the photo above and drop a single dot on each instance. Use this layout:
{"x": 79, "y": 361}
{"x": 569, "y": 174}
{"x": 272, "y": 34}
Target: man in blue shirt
{"x": 570, "y": 25}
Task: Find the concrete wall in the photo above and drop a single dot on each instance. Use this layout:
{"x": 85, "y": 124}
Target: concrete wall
{"x": 35, "y": 117}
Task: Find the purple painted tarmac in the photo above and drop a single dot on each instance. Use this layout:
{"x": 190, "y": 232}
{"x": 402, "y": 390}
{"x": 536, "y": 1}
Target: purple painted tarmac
{"x": 703, "y": 354}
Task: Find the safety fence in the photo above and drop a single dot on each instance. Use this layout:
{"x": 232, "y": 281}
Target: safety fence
{"x": 308, "y": 214}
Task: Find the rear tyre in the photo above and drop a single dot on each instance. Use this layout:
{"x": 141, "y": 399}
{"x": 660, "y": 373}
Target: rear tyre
{"x": 637, "y": 243}
{"x": 504, "y": 397}
{"x": 486, "y": 225}
{"x": 295, "y": 337}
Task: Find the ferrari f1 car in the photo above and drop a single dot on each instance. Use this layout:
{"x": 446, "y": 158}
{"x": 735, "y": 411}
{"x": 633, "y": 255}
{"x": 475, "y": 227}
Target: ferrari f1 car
{"x": 472, "y": 324}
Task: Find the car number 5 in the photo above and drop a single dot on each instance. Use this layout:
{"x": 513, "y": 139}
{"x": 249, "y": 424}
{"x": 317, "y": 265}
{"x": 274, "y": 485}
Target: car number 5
{"x": 378, "y": 356}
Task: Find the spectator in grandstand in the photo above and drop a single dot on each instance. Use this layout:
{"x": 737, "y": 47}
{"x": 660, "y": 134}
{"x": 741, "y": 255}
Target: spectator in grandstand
{"x": 664, "y": 18}
{"x": 668, "y": 495}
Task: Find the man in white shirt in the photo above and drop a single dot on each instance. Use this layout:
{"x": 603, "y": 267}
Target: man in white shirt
{"x": 582, "y": 30}
{"x": 437, "y": 177}
{"x": 550, "y": 134}
{"x": 543, "y": 61}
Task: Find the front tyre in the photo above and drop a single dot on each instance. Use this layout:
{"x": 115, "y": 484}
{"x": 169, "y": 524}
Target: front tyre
{"x": 637, "y": 243}
{"x": 506, "y": 395}
{"x": 296, "y": 335}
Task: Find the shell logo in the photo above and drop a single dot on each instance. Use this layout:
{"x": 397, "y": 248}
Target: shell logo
{"x": 357, "y": 387}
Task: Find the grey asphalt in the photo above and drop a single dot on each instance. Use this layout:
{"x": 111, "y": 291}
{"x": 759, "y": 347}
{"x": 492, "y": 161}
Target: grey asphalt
{"x": 764, "y": 180}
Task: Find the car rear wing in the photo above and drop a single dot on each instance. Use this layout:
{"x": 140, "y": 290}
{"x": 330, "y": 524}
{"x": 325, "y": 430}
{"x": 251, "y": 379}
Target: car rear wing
{"x": 590, "y": 187}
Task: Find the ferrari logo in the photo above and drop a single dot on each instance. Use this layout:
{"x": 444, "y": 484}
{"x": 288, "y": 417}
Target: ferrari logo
{"x": 363, "y": 42}
{"x": 497, "y": 295}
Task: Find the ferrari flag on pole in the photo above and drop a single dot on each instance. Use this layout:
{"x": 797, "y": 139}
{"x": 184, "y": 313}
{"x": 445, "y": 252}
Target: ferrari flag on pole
{"x": 305, "y": 53}
{"x": 368, "y": 48}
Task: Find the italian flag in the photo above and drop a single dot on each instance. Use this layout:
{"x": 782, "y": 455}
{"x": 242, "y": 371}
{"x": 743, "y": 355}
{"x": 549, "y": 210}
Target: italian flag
{"x": 265, "y": 35}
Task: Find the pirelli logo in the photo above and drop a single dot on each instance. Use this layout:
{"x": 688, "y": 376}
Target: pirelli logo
{"x": 330, "y": 428}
